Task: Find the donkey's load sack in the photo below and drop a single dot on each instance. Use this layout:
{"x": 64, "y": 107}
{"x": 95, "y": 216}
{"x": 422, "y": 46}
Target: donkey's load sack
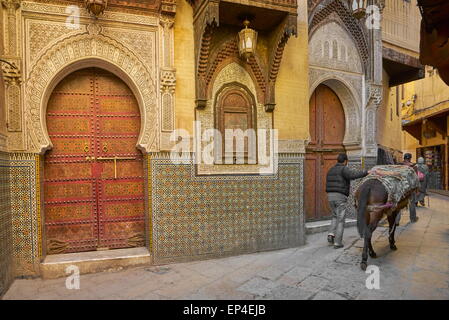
{"x": 399, "y": 181}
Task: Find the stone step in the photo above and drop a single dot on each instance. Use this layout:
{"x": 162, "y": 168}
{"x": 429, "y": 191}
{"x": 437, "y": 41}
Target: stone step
{"x": 323, "y": 225}
{"x": 54, "y": 266}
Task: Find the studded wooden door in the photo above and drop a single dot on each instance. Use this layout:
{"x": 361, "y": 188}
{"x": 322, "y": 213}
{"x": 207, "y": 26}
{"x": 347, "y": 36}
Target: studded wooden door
{"x": 93, "y": 175}
{"x": 327, "y": 129}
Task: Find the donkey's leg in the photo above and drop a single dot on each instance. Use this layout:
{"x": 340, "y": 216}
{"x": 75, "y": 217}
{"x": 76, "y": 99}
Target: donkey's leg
{"x": 364, "y": 264}
{"x": 392, "y": 229}
{"x": 372, "y": 227}
{"x": 368, "y": 247}
{"x": 372, "y": 253}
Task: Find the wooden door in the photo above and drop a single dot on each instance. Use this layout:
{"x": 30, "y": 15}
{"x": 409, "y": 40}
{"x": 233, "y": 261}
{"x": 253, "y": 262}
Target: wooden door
{"x": 93, "y": 175}
{"x": 327, "y": 130}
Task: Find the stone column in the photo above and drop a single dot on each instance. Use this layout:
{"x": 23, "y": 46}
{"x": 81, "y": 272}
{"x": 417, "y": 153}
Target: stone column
{"x": 167, "y": 81}
{"x": 374, "y": 85}
{"x": 12, "y": 77}
{"x": 374, "y": 101}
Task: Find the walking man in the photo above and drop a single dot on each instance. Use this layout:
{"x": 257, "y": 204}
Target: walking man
{"x": 338, "y": 184}
{"x": 412, "y": 201}
{"x": 423, "y": 169}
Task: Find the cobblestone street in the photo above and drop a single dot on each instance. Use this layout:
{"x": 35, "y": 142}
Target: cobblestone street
{"x": 419, "y": 269}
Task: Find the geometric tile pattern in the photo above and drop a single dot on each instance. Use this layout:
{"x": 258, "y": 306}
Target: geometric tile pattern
{"x": 197, "y": 217}
{"x": 192, "y": 216}
{"x": 6, "y": 259}
{"x": 26, "y": 230}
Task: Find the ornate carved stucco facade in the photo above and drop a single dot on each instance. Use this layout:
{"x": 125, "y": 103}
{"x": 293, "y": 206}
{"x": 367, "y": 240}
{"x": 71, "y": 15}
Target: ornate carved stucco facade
{"x": 192, "y": 212}
{"x": 346, "y": 56}
{"x": 44, "y": 41}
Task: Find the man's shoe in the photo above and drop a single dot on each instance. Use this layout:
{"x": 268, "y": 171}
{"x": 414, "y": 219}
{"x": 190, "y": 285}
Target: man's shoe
{"x": 416, "y": 219}
{"x": 338, "y": 246}
{"x": 330, "y": 239}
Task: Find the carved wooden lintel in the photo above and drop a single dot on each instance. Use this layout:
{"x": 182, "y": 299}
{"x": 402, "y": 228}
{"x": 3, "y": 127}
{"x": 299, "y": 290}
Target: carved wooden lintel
{"x": 168, "y": 7}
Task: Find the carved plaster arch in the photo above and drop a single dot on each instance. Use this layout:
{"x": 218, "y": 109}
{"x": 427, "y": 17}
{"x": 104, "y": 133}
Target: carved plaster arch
{"x": 351, "y": 106}
{"x": 328, "y": 8}
{"x": 333, "y": 33}
{"x": 83, "y": 51}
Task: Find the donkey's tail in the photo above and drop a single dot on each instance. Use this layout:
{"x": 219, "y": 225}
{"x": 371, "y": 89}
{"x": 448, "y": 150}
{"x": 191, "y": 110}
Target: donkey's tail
{"x": 362, "y": 205}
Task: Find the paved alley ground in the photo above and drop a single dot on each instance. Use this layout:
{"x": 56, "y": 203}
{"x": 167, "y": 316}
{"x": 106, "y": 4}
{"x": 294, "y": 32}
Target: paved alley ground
{"x": 419, "y": 269}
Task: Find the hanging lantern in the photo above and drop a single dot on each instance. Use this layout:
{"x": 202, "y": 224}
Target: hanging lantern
{"x": 247, "y": 41}
{"x": 96, "y": 7}
{"x": 358, "y": 8}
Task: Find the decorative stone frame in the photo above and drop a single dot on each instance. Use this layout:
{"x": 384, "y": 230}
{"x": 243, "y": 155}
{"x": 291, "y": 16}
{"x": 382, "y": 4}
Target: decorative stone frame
{"x": 365, "y": 84}
{"x": 230, "y": 74}
{"x": 344, "y": 74}
{"x": 82, "y": 51}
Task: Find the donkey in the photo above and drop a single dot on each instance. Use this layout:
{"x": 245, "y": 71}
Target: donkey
{"x": 372, "y": 204}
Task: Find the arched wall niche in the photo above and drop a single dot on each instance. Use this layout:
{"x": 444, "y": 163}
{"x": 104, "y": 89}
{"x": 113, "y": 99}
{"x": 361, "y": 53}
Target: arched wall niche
{"x": 232, "y": 74}
{"x": 351, "y": 106}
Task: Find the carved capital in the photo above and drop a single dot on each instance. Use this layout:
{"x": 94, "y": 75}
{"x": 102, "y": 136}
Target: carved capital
{"x": 168, "y": 81}
{"x": 381, "y": 5}
{"x": 375, "y": 95}
{"x": 11, "y": 4}
{"x": 167, "y": 22}
{"x": 11, "y": 71}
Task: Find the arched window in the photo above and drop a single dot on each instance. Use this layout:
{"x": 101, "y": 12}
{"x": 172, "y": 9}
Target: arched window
{"x": 235, "y": 120}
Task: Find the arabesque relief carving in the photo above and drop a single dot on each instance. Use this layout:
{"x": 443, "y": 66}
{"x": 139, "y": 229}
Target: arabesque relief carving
{"x": 123, "y": 43}
{"x": 76, "y": 48}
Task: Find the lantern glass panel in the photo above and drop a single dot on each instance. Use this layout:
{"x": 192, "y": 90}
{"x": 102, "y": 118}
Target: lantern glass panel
{"x": 247, "y": 42}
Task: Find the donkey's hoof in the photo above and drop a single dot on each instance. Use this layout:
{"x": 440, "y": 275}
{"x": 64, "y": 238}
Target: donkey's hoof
{"x": 373, "y": 255}
{"x": 393, "y": 247}
{"x": 363, "y": 265}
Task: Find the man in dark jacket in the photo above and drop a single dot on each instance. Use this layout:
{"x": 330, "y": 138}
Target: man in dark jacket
{"x": 338, "y": 185}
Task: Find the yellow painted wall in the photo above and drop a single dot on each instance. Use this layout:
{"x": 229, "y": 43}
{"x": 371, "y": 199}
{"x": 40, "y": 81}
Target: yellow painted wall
{"x": 291, "y": 116}
{"x": 431, "y": 93}
{"x": 388, "y": 119}
{"x": 184, "y": 61}
{"x": 292, "y": 88}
